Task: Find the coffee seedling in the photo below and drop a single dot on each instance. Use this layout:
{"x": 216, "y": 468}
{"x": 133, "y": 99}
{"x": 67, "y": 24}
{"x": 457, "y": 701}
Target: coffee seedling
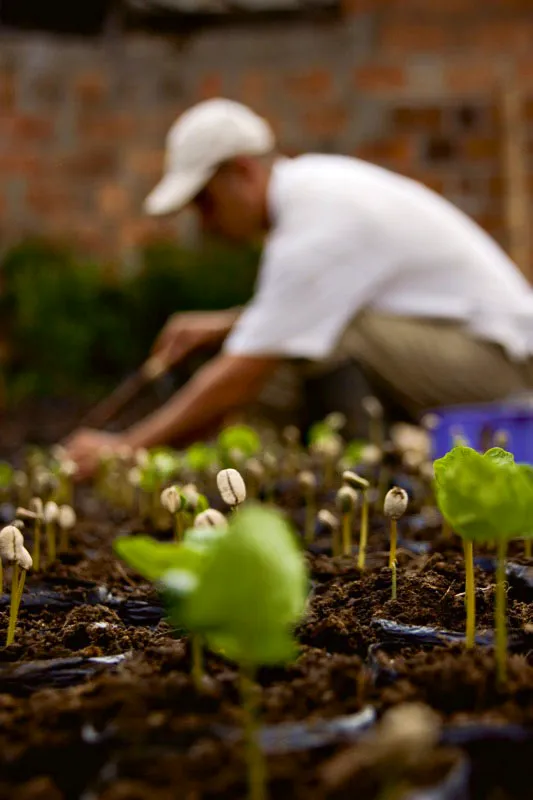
{"x": 255, "y": 475}
{"x": 329, "y": 450}
{"x": 292, "y": 439}
{"x": 486, "y": 498}
{"x": 173, "y": 501}
{"x": 35, "y": 513}
{"x": 13, "y": 553}
{"x": 330, "y": 521}
{"x": 346, "y": 502}
{"x": 231, "y": 486}
{"x": 210, "y": 518}
{"x": 357, "y": 482}
{"x": 66, "y": 520}
{"x": 307, "y": 483}
{"x": 394, "y": 507}
{"x": 50, "y": 514}
{"x": 373, "y": 408}
{"x": 232, "y": 603}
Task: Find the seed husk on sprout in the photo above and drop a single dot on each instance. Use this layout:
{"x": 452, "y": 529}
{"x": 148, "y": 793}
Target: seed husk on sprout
{"x": 13, "y": 552}
{"x": 356, "y": 481}
{"x": 172, "y": 501}
{"x": 231, "y": 486}
{"x": 35, "y": 512}
{"x": 373, "y": 408}
{"x": 346, "y": 502}
{"x": 66, "y": 519}
{"x": 292, "y": 438}
{"x": 270, "y": 463}
{"x": 394, "y": 507}
{"x": 210, "y": 518}
{"x": 329, "y": 450}
{"x": 255, "y": 474}
{"x": 308, "y": 485}
{"x": 50, "y": 514}
{"x": 331, "y": 522}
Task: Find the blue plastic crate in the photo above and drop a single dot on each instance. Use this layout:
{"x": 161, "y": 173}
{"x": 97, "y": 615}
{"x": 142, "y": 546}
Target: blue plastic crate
{"x": 478, "y": 424}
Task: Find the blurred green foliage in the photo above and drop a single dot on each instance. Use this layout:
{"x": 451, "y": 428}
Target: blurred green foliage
{"x": 71, "y": 328}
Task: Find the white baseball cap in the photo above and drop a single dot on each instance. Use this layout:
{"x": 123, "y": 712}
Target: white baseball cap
{"x": 200, "y": 140}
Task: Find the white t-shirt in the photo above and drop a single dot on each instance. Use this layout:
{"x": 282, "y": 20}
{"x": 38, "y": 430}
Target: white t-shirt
{"x": 348, "y": 235}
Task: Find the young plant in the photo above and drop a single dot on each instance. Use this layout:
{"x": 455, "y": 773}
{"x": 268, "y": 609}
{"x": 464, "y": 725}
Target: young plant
{"x": 346, "y": 501}
{"x": 35, "y": 513}
{"x": 239, "y": 438}
{"x": 357, "y": 482}
{"x": 230, "y": 602}
{"x": 292, "y": 438}
{"x": 50, "y": 513}
{"x": 173, "y": 501}
{"x": 307, "y": 483}
{"x": 330, "y": 521}
{"x": 486, "y": 498}
{"x": 211, "y": 518}
{"x": 13, "y": 553}
{"x": 373, "y": 408}
{"x": 66, "y": 520}
{"x": 232, "y": 488}
{"x": 255, "y": 476}
{"x": 394, "y": 507}
{"x": 153, "y": 559}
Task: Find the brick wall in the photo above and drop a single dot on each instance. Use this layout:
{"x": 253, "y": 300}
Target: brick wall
{"x": 410, "y": 84}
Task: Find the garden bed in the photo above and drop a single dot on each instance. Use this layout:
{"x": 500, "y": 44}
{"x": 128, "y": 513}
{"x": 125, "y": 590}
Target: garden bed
{"x": 97, "y": 700}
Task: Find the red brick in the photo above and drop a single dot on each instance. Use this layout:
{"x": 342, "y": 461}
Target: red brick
{"x": 500, "y": 35}
{"x": 378, "y": 77}
{"x": 7, "y": 90}
{"x": 471, "y": 77}
{"x": 315, "y": 82}
{"x": 396, "y": 151}
{"x": 253, "y": 88}
{"x": 416, "y": 37}
{"x": 46, "y": 197}
{"x": 91, "y": 87}
{"x": 424, "y": 118}
{"x": 19, "y": 164}
{"x": 480, "y": 148}
{"x": 113, "y": 200}
{"x": 148, "y": 163}
{"x": 327, "y": 121}
{"x": 89, "y": 163}
{"x": 210, "y": 85}
{"x": 107, "y": 127}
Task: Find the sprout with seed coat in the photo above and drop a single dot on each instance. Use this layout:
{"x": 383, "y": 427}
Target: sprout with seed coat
{"x": 373, "y": 408}
{"x": 330, "y": 521}
{"x": 66, "y": 519}
{"x": 255, "y": 474}
{"x": 394, "y": 507}
{"x": 210, "y": 518}
{"x": 35, "y": 513}
{"x": 174, "y": 502}
{"x": 13, "y": 552}
{"x": 308, "y": 485}
{"x": 231, "y": 486}
{"x": 357, "y": 482}
{"x": 346, "y": 501}
{"x": 51, "y": 511}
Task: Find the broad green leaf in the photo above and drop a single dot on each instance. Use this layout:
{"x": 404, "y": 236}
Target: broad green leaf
{"x": 239, "y": 437}
{"x": 152, "y": 559}
{"x": 203, "y": 538}
{"x": 252, "y": 590}
{"x": 199, "y": 457}
{"x": 6, "y": 474}
{"x": 484, "y": 497}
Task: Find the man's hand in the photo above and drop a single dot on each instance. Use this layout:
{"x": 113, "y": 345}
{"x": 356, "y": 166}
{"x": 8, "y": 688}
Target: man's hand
{"x": 86, "y": 446}
{"x": 186, "y": 332}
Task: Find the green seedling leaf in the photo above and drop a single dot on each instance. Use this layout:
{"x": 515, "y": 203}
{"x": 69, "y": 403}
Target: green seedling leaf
{"x": 203, "y": 538}
{"x": 484, "y": 497}
{"x": 354, "y": 450}
{"x": 239, "y": 437}
{"x": 152, "y": 559}
{"x": 6, "y": 474}
{"x": 200, "y": 457}
{"x": 252, "y": 590}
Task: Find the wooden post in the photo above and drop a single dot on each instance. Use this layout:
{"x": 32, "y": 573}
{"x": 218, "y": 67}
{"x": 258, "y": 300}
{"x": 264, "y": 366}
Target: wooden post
{"x": 517, "y": 201}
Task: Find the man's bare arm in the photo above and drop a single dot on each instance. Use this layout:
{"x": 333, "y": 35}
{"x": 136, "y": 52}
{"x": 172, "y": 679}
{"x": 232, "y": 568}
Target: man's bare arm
{"x": 225, "y": 383}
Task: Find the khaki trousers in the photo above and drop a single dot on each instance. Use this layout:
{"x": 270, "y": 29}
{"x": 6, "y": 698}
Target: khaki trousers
{"x": 409, "y": 363}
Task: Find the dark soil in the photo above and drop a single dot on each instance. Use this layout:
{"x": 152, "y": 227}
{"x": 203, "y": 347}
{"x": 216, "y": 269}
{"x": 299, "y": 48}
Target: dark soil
{"x": 136, "y": 728}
